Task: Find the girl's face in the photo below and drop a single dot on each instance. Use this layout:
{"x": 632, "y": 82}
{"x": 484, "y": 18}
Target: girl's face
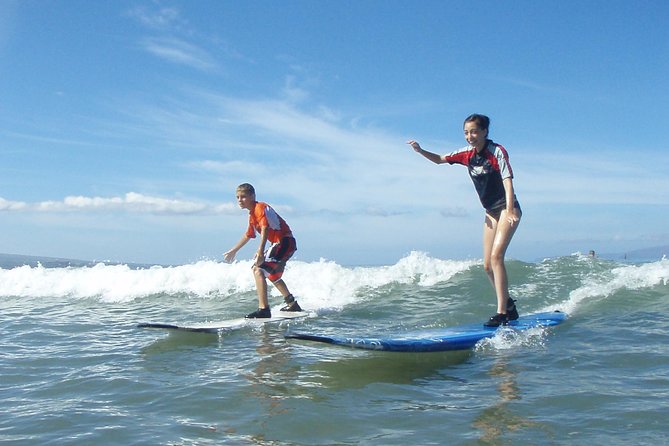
{"x": 475, "y": 136}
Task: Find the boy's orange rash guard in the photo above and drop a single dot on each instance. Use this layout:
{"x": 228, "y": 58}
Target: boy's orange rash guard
{"x": 262, "y": 216}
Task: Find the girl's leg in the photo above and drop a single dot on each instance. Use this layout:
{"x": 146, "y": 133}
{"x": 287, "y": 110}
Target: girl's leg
{"x": 489, "y": 230}
{"x": 502, "y": 237}
{"x": 497, "y": 235}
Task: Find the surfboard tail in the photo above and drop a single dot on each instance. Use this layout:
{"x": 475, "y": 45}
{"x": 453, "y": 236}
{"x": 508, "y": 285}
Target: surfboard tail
{"x": 310, "y": 337}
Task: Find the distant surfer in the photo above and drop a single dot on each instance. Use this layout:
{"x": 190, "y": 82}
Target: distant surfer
{"x": 489, "y": 169}
{"x": 272, "y": 228}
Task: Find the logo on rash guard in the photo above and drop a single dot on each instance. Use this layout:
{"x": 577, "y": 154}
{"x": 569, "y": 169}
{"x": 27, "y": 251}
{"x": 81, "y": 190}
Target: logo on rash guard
{"x": 476, "y": 171}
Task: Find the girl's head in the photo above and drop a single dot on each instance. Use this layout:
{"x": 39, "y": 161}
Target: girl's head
{"x": 481, "y": 121}
{"x": 476, "y": 130}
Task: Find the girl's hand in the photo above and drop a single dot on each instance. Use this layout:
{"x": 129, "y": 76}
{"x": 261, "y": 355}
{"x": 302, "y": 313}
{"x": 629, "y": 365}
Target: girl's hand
{"x": 414, "y": 145}
{"x": 512, "y": 217}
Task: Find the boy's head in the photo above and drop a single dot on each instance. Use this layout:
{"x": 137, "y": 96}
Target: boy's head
{"x": 246, "y": 196}
{"x": 246, "y": 188}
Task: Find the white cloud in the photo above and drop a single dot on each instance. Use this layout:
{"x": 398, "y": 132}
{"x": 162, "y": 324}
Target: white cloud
{"x": 179, "y": 52}
{"x": 229, "y": 167}
{"x": 310, "y": 159}
{"x": 320, "y": 162}
{"x": 131, "y": 202}
{"x": 160, "y": 19}
{"x": 570, "y": 179}
{"x": 6, "y": 205}
{"x": 167, "y": 23}
{"x": 293, "y": 92}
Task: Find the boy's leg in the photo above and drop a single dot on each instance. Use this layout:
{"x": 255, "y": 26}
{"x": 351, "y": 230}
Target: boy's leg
{"x": 261, "y": 287}
{"x": 274, "y": 267}
{"x": 282, "y": 287}
{"x": 291, "y": 303}
{"x": 263, "y": 310}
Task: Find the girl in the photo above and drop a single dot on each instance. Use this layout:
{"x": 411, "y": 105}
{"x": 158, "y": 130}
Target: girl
{"x": 489, "y": 169}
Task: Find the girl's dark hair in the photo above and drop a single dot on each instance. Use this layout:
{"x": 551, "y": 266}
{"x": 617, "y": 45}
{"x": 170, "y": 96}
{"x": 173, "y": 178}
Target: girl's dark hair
{"x": 481, "y": 120}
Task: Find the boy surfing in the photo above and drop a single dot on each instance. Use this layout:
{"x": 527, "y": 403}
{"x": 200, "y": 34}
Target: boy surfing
{"x": 264, "y": 221}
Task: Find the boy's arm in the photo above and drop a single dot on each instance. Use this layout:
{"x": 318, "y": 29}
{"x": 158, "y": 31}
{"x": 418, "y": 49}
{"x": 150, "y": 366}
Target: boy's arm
{"x": 230, "y": 255}
{"x": 260, "y": 255}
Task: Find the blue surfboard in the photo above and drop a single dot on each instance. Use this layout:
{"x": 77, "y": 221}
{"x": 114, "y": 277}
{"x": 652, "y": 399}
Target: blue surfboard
{"x": 462, "y": 337}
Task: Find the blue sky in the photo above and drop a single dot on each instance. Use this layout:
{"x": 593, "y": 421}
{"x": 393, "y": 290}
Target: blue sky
{"x": 125, "y": 126}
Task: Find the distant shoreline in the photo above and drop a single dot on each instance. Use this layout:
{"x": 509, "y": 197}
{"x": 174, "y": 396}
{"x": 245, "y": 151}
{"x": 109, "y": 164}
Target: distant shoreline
{"x": 9, "y": 261}
{"x": 645, "y": 254}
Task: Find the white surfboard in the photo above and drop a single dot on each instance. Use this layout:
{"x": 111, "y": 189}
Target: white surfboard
{"x": 229, "y": 324}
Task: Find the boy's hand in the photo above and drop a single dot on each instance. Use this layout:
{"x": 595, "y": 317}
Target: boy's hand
{"x": 229, "y": 256}
{"x": 260, "y": 258}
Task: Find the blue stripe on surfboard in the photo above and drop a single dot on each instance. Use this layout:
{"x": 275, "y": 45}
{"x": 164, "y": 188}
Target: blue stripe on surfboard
{"x": 451, "y": 338}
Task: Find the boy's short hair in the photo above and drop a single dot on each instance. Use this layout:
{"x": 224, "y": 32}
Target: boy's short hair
{"x": 246, "y": 188}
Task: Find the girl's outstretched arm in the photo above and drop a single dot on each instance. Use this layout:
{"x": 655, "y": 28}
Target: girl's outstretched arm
{"x": 435, "y": 158}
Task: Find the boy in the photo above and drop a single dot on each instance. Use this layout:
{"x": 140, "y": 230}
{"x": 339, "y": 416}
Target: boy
{"x": 271, "y": 227}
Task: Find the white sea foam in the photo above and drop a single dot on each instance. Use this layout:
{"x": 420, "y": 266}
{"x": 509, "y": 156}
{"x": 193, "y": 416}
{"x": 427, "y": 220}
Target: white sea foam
{"x": 631, "y": 277}
{"x": 318, "y": 284}
{"x": 509, "y": 339}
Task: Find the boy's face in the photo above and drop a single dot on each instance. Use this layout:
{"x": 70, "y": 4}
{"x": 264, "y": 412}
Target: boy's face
{"x": 245, "y": 200}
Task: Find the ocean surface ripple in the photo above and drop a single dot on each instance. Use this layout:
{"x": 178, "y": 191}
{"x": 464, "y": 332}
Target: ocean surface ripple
{"x": 76, "y": 370}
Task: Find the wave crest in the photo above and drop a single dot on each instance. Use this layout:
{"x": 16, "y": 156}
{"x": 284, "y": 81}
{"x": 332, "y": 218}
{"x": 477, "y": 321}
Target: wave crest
{"x": 315, "y": 282}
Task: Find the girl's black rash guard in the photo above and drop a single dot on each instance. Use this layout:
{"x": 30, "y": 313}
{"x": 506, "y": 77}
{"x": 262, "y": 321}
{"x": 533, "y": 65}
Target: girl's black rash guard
{"x": 487, "y": 170}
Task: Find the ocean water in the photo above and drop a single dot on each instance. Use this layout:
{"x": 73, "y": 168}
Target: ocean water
{"x": 74, "y": 369}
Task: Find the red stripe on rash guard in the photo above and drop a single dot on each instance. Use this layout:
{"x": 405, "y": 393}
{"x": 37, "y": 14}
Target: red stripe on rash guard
{"x": 496, "y": 154}
{"x": 460, "y": 156}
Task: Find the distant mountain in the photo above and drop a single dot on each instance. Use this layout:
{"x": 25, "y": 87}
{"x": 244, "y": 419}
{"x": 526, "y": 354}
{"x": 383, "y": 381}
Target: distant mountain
{"x": 9, "y": 261}
{"x": 655, "y": 253}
